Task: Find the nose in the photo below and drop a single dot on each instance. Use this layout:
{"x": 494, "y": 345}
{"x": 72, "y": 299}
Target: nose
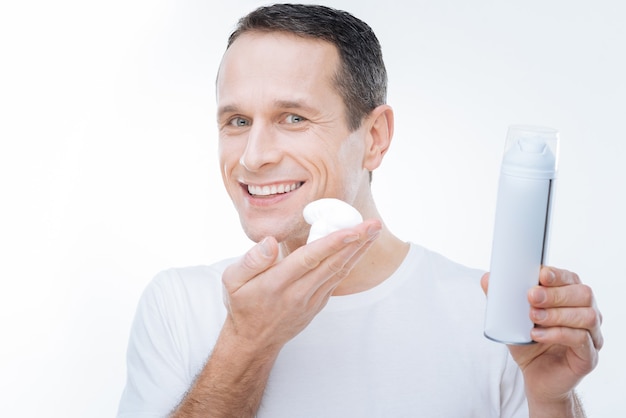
{"x": 261, "y": 148}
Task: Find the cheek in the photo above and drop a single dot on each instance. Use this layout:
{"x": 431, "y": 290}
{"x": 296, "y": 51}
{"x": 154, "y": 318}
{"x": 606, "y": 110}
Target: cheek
{"x": 350, "y": 155}
{"x": 227, "y": 160}
{"x": 341, "y": 168}
{"x": 223, "y": 163}
{"x": 228, "y": 155}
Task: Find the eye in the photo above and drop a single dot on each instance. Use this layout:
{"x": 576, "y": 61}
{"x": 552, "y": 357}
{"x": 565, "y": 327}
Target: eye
{"x": 294, "y": 119}
{"x": 238, "y": 121}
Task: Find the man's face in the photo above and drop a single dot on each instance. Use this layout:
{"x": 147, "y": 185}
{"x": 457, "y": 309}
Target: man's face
{"x": 283, "y": 135}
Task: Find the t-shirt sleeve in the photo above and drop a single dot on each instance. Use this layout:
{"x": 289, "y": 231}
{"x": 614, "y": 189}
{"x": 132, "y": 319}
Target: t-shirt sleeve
{"x": 156, "y": 380}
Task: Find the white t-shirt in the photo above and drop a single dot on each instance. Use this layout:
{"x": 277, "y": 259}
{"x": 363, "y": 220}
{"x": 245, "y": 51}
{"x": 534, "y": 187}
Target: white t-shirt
{"x": 413, "y": 346}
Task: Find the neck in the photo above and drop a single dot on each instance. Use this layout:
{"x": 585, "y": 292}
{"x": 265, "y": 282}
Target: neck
{"x": 381, "y": 259}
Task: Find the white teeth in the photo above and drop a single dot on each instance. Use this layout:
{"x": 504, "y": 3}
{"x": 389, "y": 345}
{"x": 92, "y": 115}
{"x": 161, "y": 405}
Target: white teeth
{"x": 271, "y": 190}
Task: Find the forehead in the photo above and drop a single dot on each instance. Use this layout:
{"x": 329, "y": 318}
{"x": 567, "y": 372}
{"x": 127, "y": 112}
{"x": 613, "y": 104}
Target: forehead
{"x": 275, "y": 57}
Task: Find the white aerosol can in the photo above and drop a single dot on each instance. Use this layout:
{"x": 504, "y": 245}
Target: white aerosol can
{"x": 521, "y": 230}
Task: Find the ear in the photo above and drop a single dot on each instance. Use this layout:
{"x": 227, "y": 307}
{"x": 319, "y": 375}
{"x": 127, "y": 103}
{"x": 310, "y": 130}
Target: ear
{"x": 380, "y": 131}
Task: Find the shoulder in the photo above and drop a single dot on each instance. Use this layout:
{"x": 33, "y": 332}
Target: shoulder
{"x": 182, "y": 307}
{"x": 451, "y": 290}
{"x": 189, "y": 279}
{"x": 441, "y": 270}
{"x": 184, "y": 289}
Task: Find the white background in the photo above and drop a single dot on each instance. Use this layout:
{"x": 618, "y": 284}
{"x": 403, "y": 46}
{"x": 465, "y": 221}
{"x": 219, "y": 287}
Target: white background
{"x": 108, "y": 171}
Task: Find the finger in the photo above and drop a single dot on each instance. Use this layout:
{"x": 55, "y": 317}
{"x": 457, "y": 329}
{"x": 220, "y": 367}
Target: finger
{"x": 326, "y": 288}
{"x": 352, "y": 259}
{"x": 581, "y": 318}
{"x": 565, "y": 336}
{"x": 578, "y": 340}
{"x": 597, "y": 337}
{"x": 333, "y": 251}
{"x": 484, "y": 282}
{"x": 588, "y": 319}
{"x": 340, "y": 265}
{"x": 318, "y": 284}
{"x": 552, "y": 276}
{"x": 561, "y": 291}
{"x": 258, "y": 259}
{"x": 574, "y": 295}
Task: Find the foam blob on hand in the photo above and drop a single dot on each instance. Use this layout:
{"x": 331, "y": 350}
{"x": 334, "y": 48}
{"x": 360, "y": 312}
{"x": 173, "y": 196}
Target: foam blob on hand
{"x": 329, "y": 215}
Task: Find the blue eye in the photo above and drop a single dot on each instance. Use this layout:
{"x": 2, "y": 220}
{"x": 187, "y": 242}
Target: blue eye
{"x": 239, "y": 121}
{"x": 294, "y": 119}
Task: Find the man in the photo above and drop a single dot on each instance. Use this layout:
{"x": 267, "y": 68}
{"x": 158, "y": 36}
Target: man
{"x": 358, "y": 323}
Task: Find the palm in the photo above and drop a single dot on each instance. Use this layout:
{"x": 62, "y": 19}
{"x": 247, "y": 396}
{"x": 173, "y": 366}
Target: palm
{"x": 550, "y": 371}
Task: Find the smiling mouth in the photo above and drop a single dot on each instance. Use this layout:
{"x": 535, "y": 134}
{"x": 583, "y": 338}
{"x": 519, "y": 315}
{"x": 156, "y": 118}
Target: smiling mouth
{"x": 273, "y": 189}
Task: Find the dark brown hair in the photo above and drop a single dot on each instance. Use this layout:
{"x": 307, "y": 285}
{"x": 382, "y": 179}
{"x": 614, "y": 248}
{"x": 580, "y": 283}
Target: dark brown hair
{"x": 361, "y": 77}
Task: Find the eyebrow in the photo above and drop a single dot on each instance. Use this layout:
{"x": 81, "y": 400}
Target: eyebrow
{"x": 227, "y": 109}
{"x": 279, "y": 104}
{"x": 292, "y": 104}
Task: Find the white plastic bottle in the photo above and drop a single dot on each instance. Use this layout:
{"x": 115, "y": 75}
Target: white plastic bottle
{"x": 521, "y": 230}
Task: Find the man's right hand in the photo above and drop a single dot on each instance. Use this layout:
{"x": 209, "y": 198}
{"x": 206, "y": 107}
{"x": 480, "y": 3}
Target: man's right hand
{"x": 269, "y": 302}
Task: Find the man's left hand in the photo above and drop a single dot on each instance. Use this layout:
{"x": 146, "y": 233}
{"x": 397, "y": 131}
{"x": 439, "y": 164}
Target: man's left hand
{"x": 567, "y": 333}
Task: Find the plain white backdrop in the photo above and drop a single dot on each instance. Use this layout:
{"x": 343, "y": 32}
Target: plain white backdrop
{"x": 108, "y": 171}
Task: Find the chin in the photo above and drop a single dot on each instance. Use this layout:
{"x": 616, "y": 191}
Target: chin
{"x": 296, "y": 232}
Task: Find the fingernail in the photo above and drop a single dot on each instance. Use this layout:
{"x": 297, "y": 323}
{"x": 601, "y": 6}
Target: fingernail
{"x": 537, "y": 333}
{"x": 551, "y": 276}
{"x": 540, "y": 314}
{"x": 538, "y": 295}
{"x": 374, "y": 230}
{"x": 265, "y": 248}
{"x": 351, "y": 238}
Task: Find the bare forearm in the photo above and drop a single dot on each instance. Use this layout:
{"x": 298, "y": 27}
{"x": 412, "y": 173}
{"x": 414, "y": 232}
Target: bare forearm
{"x": 231, "y": 384}
{"x": 570, "y": 407}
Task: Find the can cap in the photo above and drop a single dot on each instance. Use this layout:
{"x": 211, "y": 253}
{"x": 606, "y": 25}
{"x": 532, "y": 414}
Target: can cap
{"x": 531, "y": 152}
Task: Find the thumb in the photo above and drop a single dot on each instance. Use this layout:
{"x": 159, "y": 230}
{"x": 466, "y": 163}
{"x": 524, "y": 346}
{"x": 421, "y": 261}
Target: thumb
{"x": 484, "y": 282}
{"x": 258, "y": 259}
{"x": 261, "y": 256}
